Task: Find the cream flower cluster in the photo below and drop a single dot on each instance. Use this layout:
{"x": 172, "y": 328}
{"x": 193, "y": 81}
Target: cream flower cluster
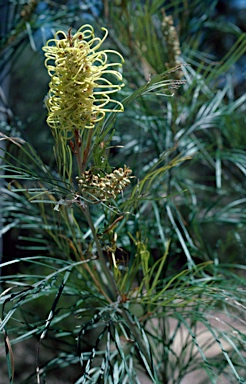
{"x": 173, "y": 45}
{"x": 107, "y": 187}
{"x": 79, "y": 94}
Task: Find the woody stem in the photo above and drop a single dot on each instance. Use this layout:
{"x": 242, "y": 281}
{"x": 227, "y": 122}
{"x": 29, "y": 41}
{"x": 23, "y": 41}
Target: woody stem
{"x": 87, "y": 150}
{"x": 77, "y": 150}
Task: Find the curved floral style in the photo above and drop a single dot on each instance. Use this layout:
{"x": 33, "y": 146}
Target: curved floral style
{"x": 80, "y": 93}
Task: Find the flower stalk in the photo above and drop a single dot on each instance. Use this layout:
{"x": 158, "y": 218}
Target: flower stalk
{"x": 81, "y": 88}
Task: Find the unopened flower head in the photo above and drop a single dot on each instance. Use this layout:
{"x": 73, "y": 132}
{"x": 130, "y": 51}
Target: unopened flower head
{"x": 80, "y": 93}
{"x": 104, "y": 187}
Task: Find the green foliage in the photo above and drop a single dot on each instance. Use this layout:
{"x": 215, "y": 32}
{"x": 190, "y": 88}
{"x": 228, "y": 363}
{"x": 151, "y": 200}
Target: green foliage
{"x": 149, "y": 286}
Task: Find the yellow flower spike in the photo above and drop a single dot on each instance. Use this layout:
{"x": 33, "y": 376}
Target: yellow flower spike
{"x": 79, "y": 92}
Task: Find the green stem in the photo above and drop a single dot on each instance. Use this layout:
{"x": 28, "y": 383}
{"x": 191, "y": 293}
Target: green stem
{"x": 110, "y": 279}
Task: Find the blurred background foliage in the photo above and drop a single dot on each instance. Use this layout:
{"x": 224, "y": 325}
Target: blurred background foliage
{"x": 199, "y": 204}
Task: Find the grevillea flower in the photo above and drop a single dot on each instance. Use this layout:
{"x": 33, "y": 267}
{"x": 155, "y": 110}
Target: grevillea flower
{"x": 79, "y": 94}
